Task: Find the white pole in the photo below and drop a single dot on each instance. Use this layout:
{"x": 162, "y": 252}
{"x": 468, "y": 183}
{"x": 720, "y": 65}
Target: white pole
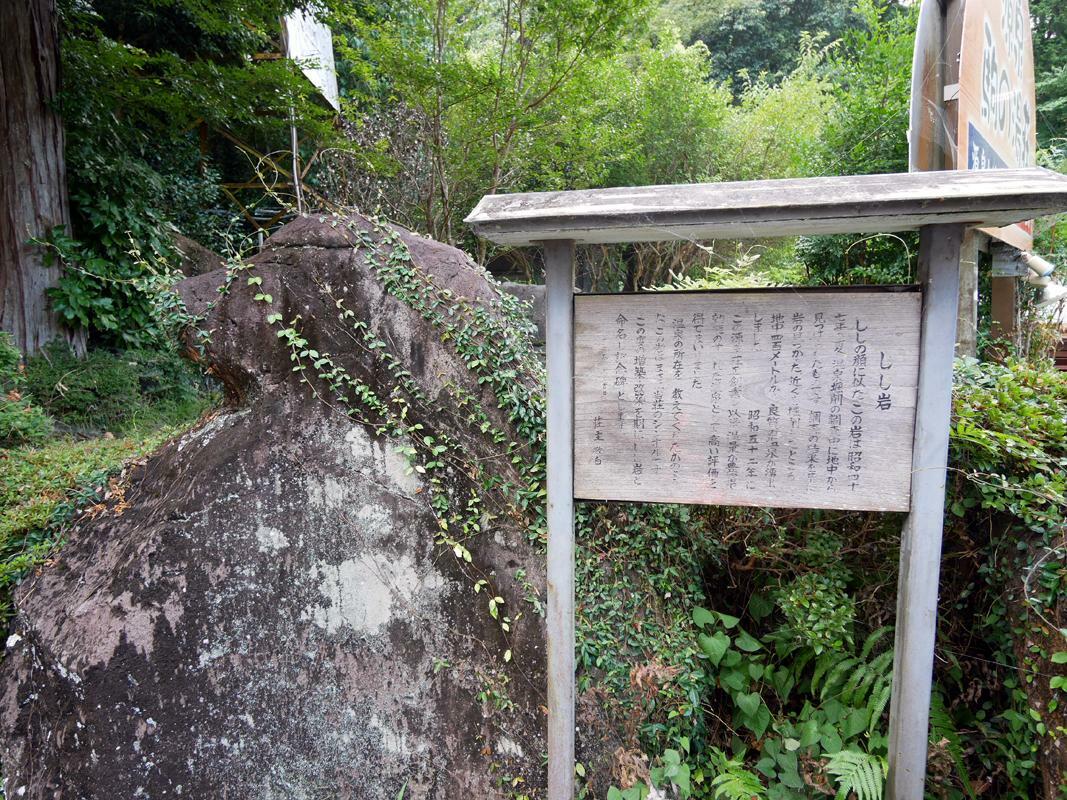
{"x": 294, "y": 144}
{"x": 920, "y": 546}
{"x": 559, "y": 347}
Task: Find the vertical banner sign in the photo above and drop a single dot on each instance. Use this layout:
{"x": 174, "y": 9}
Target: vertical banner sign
{"x": 787, "y": 398}
{"x": 997, "y": 116}
{"x": 972, "y": 93}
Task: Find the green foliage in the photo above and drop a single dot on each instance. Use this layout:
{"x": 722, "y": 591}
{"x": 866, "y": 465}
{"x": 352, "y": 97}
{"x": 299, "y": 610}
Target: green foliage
{"x": 813, "y": 716}
{"x": 115, "y": 294}
{"x": 760, "y": 39}
{"x": 136, "y": 79}
{"x": 777, "y": 129}
{"x": 870, "y": 72}
{"x": 637, "y": 792}
{"x": 848, "y": 260}
{"x": 818, "y": 611}
{"x": 857, "y": 772}
{"x": 483, "y": 79}
{"x": 21, "y": 421}
{"x": 107, "y": 390}
{"x": 732, "y": 781}
{"x": 96, "y": 392}
{"x": 10, "y": 363}
{"x": 943, "y": 731}
{"x": 866, "y": 132}
{"x": 1009, "y": 436}
{"x": 665, "y": 123}
{"x": 672, "y": 772}
{"x": 1009, "y": 450}
{"x": 1049, "y": 20}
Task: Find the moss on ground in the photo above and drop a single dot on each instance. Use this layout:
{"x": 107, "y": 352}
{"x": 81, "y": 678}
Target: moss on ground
{"x": 43, "y": 488}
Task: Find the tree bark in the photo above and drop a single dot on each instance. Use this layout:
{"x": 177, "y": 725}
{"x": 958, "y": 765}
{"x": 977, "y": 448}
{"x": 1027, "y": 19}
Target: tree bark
{"x": 34, "y": 193}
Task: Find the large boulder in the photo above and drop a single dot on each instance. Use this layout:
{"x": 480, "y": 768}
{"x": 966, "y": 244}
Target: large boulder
{"x": 195, "y": 259}
{"x": 330, "y": 589}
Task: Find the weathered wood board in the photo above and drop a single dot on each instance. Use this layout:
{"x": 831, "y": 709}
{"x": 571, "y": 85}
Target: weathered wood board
{"x": 759, "y": 209}
{"x": 784, "y": 397}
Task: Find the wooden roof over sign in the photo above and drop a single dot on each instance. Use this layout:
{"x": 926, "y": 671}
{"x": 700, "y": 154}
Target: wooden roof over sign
{"x": 761, "y": 209}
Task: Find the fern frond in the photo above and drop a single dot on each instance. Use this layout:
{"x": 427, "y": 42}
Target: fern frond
{"x": 878, "y": 673}
{"x": 855, "y": 683}
{"x": 834, "y": 677}
{"x": 943, "y": 729}
{"x": 858, "y": 772}
{"x": 800, "y": 662}
{"x": 873, "y": 639}
{"x": 883, "y": 663}
{"x": 876, "y": 705}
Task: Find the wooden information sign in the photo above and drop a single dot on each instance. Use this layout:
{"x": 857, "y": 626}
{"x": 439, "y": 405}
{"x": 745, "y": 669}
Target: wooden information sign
{"x": 777, "y": 397}
{"x": 669, "y": 396}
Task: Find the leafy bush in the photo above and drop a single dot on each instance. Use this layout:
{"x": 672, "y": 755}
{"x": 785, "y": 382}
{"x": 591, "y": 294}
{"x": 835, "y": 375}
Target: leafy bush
{"x": 1009, "y": 506}
{"x": 818, "y": 612}
{"x": 108, "y": 390}
{"x": 134, "y": 176}
{"x": 21, "y": 422}
{"x": 99, "y": 391}
{"x": 163, "y": 376}
{"x": 864, "y": 133}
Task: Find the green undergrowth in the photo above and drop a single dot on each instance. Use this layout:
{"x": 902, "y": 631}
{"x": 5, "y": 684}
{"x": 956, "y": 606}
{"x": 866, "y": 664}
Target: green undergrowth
{"x": 747, "y": 653}
{"x": 42, "y": 488}
{"x": 67, "y": 427}
{"x": 114, "y": 391}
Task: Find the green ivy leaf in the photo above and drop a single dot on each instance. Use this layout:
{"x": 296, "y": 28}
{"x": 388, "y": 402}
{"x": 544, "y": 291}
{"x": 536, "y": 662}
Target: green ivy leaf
{"x": 702, "y": 617}
{"x": 714, "y": 647}
{"x": 748, "y": 702}
{"x": 747, "y": 643}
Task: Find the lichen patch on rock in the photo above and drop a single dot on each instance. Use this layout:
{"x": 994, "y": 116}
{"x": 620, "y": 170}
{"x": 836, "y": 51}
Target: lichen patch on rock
{"x": 366, "y": 593}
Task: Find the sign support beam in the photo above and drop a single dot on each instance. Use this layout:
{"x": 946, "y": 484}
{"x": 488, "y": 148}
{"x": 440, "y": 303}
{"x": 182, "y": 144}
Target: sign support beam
{"x": 920, "y": 546}
{"x": 967, "y": 324}
{"x": 559, "y": 352}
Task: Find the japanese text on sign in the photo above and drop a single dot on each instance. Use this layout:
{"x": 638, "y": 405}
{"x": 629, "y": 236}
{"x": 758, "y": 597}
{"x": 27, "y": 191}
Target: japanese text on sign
{"x": 767, "y": 398}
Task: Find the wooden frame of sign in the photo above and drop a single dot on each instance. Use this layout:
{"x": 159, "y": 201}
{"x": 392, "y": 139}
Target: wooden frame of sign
{"x": 887, "y": 330}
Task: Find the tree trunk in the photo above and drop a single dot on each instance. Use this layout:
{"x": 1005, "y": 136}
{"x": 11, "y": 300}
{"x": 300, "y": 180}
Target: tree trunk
{"x": 34, "y": 195}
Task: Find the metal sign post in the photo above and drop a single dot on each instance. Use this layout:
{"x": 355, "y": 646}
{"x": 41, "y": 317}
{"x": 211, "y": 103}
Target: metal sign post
{"x": 941, "y": 205}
